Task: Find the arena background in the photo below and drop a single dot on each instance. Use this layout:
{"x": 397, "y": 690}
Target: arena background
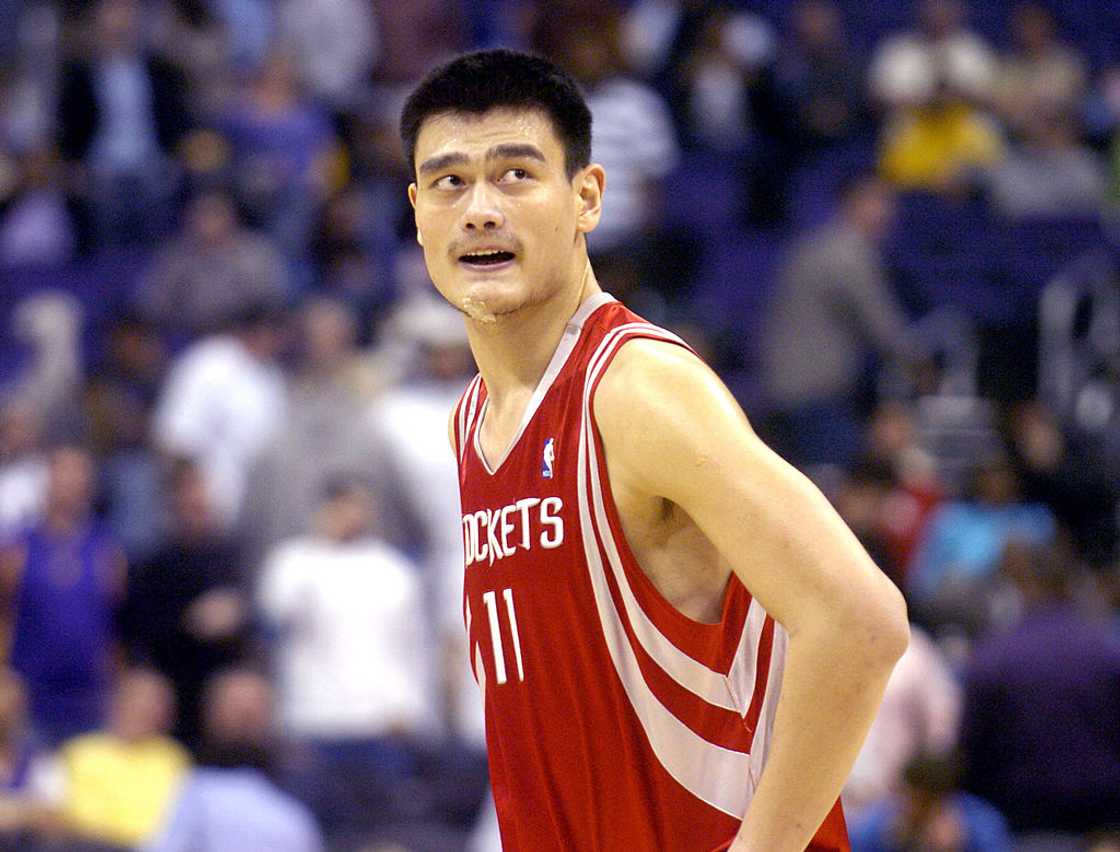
{"x": 230, "y": 567}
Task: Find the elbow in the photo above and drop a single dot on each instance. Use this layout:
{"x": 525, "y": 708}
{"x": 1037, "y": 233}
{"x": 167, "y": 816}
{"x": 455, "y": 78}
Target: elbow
{"x": 888, "y": 627}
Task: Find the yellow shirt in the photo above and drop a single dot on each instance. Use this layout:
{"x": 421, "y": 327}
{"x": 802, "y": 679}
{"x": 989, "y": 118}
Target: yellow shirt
{"x": 118, "y": 791}
{"x": 924, "y": 148}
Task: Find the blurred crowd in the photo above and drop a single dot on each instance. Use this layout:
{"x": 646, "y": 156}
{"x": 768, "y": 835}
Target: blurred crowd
{"x": 230, "y": 559}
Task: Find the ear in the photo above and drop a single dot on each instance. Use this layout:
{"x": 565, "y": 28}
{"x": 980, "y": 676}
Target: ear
{"x": 412, "y": 201}
{"x": 590, "y": 184}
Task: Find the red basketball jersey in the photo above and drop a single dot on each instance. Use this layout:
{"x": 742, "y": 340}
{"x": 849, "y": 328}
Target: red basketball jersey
{"x": 613, "y": 722}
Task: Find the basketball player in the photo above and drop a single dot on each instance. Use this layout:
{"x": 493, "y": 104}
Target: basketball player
{"x": 679, "y": 644}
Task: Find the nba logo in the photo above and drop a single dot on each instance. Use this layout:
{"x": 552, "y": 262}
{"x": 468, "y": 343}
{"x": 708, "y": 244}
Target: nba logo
{"x": 549, "y": 458}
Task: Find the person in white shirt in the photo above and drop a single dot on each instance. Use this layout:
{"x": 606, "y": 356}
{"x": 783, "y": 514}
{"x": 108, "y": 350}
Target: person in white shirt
{"x": 347, "y": 614}
{"x": 222, "y": 404}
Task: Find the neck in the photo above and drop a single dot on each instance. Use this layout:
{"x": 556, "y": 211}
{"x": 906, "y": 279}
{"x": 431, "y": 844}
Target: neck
{"x": 513, "y": 351}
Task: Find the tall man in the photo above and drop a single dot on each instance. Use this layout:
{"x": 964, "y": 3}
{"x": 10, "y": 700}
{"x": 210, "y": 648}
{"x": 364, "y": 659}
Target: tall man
{"x": 617, "y": 508}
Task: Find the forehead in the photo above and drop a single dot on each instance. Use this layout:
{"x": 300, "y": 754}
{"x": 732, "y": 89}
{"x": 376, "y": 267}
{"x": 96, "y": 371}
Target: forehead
{"x": 474, "y": 133}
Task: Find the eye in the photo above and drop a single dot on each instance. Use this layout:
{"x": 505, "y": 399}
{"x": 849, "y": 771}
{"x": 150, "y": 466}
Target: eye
{"x": 514, "y": 176}
{"x": 448, "y": 182}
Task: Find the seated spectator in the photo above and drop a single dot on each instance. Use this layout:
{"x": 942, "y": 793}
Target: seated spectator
{"x": 212, "y": 271}
{"x": 919, "y": 716}
{"x": 186, "y": 612}
{"x": 60, "y": 584}
{"x": 283, "y": 146}
{"x": 956, "y": 563}
{"x": 28, "y": 783}
{"x": 931, "y": 814}
{"x": 351, "y": 649}
{"x": 36, "y": 223}
{"x": 223, "y": 402}
{"x": 1068, "y": 475}
{"x": 1050, "y": 173}
{"x": 228, "y": 803}
{"x": 23, "y": 467}
{"x": 1041, "y": 719}
{"x": 933, "y": 83}
{"x": 832, "y": 296}
{"x": 1041, "y": 74}
{"x": 118, "y": 784}
{"x": 906, "y": 68}
{"x": 940, "y": 145}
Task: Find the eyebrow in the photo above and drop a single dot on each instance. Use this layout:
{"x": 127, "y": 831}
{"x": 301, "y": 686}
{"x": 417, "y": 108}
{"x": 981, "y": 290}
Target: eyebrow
{"x": 508, "y": 151}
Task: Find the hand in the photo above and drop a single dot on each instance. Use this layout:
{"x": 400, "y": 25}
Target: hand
{"x": 216, "y": 615}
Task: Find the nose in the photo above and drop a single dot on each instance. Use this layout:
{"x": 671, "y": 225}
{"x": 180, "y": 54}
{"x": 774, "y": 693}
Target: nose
{"x": 482, "y": 212}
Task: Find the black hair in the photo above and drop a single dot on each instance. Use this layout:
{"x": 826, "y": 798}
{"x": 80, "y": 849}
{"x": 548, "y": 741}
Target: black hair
{"x": 493, "y": 79}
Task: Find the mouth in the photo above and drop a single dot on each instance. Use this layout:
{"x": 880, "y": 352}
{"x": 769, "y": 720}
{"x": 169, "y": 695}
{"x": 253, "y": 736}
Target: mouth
{"x": 487, "y": 259}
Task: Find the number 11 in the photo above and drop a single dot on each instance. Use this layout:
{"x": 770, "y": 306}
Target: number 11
{"x": 491, "y": 601}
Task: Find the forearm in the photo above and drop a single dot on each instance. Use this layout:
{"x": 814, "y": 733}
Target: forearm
{"x": 831, "y": 690}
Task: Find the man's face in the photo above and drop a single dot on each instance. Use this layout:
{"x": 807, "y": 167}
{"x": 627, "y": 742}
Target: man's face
{"x": 497, "y": 216}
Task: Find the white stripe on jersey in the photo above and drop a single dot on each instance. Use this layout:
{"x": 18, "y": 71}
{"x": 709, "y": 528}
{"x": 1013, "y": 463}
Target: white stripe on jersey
{"x": 719, "y": 776}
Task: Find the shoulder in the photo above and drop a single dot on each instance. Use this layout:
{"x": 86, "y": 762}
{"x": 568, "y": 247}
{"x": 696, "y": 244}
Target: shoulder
{"x": 656, "y": 381}
{"x": 662, "y": 413}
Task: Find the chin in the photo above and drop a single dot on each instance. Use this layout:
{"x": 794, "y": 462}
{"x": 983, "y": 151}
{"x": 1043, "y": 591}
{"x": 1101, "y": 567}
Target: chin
{"x": 486, "y": 301}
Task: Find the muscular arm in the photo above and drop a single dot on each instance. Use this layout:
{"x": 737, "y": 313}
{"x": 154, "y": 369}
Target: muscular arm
{"x": 672, "y": 432}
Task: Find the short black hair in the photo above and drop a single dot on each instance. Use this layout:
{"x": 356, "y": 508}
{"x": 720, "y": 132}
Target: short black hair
{"x": 493, "y": 79}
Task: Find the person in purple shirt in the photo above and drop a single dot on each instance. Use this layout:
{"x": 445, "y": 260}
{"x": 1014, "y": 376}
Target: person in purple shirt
{"x": 60, "y": 584}
{"x": 1041, "y": 718}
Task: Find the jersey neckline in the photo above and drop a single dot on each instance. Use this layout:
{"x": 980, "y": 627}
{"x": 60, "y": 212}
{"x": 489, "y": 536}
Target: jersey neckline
{"x": 556, "y": 364}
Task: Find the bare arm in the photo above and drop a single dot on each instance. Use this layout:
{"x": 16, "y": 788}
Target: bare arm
{"x": 673, "y": 432}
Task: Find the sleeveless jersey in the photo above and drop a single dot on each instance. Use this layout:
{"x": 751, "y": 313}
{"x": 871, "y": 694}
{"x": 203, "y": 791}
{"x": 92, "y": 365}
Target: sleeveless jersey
{"x": 613, "y": 721}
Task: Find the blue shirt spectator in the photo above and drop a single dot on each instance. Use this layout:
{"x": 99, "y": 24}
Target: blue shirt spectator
{"x": 983, "y": 827}
{"x": 231, "y": 810}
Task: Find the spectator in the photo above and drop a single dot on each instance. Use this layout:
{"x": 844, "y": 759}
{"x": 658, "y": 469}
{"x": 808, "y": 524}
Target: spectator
{"x": 229, "y": 803}
{"x": 893, "y": 439}
{"x": 283, "y": 148}
{"x": 334, "y": 44}
{"x": 819, "y": 75}
{"x": 36, "y": 224}
{"x": 931, "y": 814}
{"x": 120, "y": 116}
{"x": 321, "y": 434}
{"x": 50, "y": 322}
{"x": 933, "y": 84}
{"x": 61, "y": 583}
{"x": 119, "y": 783}
{"x": 350, "y": 244}
{"x": 1068, "y": 475}
{"x": 907, "y": 69}
{"x": 119, "y": 398}
{"x": 23, "y": 467}
{"x": 633, "y": 135}
{"x": 955, "y": 567}
{"x": 186, "y": 613}
{"x": 223, "y": 402}
{"x": 410, "y": 422}
{"x": 213, "y": 271}
{"x": 1050, "y": 174}
{"x": 1041, "y": 727}
{"x": 28, "y": 785}
{"x": 348, "y": 616}
{"x": 1041, "y": 74}
{"x": 192, "y": 37}
{"x": 831, "y": 297}
{"x": 920, "y": 715}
